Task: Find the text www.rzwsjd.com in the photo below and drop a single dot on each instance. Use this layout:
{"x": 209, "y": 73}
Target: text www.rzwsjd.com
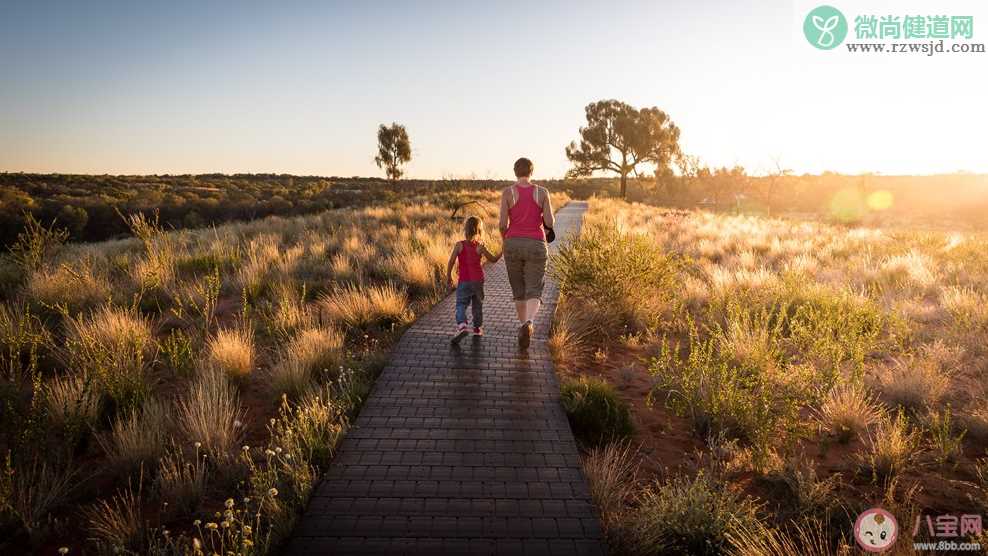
{"x": 928, "y": 48}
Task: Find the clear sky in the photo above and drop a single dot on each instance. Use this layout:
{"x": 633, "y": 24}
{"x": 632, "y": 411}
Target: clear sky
{"x": 300, "y": 87}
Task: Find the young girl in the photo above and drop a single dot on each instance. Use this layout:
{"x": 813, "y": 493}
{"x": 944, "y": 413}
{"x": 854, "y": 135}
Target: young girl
{"x": 470, "y": 289}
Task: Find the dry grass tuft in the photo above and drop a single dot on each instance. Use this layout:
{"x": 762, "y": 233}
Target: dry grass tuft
{"x": 73, "y": 288}
{"x": 210, "y": 414}
{"x": 231, "y": 352}
{"x": 573, "y": 327}
{"x": 890, "y": 447}
{"x": 312, "y": 352}
{"x": 612, "y": 471}
{"x": 808, "y": 537}
{"x": 848, "y": 411}
{"x": 36, "y": 491}
{"x": 118, "y": 525}
{"x": 365, "y": 307}
{"x": 114, "y": 346}
{"x": 182, "y": 483}
{"x": 140, "y": 437}
{"x": 914, "y": 382}
{"x": 413, "y": 269}
{"x": 72, "y": 403}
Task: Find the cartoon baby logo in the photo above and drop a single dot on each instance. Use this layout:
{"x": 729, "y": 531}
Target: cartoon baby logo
{"x": 876, "y": 530}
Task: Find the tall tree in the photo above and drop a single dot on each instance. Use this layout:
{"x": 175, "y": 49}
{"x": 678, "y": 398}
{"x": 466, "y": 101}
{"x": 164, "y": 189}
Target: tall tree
{"x": 393, "y": 149}
{"x": 618, "y": 138}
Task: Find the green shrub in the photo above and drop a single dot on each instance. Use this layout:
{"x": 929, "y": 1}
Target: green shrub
{"x": 689, "y": 516}
{"x": 11, "y": 277}
{"x": 626, "y": 272}
{"x": 837, "y": 332}
{"x": 179, "y": 352}
{"x": 24, "y": 340}
{"x": 595, "y": 411}
{"x": 204, "y": 263}
{"x": 759, "y": 406}
{"x": 945, "y": 441}
{"x": 36, "y": 245}
{"x": 115, "y": 346}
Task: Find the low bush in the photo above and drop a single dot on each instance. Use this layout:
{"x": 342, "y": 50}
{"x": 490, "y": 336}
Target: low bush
{"x": 114, "y": 346}
{"x": 24, "y": 341}
{"x": 758, "y": 406}
{"x": 628, "y": 273}
{"x": 689, "y": 516}
{"x": 944, "y": 439}
{"x": 595, "y": 411}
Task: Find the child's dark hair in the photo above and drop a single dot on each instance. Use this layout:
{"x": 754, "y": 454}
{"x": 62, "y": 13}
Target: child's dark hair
{"x": 473, "y": 227}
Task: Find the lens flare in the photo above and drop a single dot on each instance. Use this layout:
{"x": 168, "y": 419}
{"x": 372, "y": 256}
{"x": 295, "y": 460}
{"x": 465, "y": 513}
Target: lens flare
{"x": 848, "y": 205}
{"x": 880, "y": 200}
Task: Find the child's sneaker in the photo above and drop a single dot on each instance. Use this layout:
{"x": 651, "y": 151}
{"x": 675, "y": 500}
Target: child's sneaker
{"x": 461, "y": 332}
{"x": 478, "y": 331}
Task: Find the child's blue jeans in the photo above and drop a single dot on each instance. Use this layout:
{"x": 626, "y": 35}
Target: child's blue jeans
{"x": 472, "y": 294}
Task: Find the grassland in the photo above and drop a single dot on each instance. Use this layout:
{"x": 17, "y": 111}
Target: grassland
{"x": 779, "y": 377}
{"x": 179, "y": 392}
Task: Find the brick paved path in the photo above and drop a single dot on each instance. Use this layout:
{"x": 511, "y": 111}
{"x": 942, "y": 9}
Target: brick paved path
{"x": 462, "y": 450}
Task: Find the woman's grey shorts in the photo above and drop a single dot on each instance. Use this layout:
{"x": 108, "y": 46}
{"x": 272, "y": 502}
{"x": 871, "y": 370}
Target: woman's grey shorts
{"x": 525, "y": 259}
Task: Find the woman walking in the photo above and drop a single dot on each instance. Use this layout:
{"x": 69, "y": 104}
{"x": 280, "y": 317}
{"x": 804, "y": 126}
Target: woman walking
{"x": 525, "y": 215}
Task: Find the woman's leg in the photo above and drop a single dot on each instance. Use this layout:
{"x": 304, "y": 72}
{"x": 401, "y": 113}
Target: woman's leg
{"x": 532, "y": 308}
{"x": 535, "y": 266}
{"x": 514, "y": 263}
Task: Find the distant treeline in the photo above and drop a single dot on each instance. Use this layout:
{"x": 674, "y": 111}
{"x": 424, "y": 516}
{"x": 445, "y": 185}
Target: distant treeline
{"x": 90, "y": 207}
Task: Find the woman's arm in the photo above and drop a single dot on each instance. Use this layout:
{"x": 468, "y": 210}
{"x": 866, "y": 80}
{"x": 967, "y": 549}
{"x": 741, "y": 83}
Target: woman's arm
{"x": 505, "y": 206}
{"x": 490, "y": 257}
{"x": 548, "y": 218}
{"x": 452, "y": 261}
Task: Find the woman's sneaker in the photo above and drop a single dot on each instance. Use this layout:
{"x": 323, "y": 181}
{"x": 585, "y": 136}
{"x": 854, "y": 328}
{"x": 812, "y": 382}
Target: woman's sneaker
{"x": 462, "y": 330}
{"x": 478, "y": 331}
{"x": 525, "y": 335}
